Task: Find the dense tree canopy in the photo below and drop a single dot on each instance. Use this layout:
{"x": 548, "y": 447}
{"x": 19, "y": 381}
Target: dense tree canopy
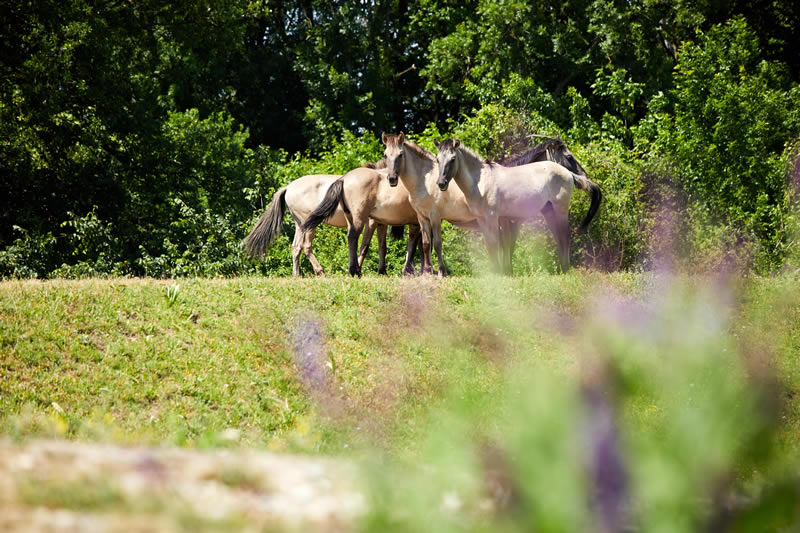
{"x": 142, "y": 137}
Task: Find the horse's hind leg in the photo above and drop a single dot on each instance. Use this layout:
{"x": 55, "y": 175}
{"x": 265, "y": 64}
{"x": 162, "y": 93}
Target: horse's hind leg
{"x": 369, "y": 229}
{"x": 558, "y": 222}
{"x": 308, "y": 241}
{"x": 297, "y": 249}
{"x": 354, "y": 228}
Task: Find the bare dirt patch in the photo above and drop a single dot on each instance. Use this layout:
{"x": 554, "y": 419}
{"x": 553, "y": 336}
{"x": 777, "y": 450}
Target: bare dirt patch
{"x": 69, "y": 486}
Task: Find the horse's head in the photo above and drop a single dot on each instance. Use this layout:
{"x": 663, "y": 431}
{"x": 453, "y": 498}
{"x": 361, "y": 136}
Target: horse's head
{"x": 448, "y": 163}
{"x": 394, "y": 155}
{"x": 558, "y": 152}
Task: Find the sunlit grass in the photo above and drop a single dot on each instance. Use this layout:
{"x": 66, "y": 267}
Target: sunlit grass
{"x": 471, "y": 402}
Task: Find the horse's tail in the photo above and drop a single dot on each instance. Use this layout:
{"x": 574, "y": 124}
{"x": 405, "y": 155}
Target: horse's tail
{"x": 327, "y": 207}
{"x": 584, "y": 183}
{"x": 268, "y": 226}
{"x": 397, "y": 232}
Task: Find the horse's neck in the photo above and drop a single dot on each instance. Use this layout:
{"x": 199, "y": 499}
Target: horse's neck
{"x": 414, "y": 177}
{"x": 468, "y": 180}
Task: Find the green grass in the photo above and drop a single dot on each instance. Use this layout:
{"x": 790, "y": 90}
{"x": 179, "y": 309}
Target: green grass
{"x": 180, "y": 361}
{"x": 702, "y": 377}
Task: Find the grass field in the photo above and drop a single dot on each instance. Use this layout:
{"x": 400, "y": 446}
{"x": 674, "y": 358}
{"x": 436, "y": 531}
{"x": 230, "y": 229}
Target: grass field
{"x": 564, "y": 403}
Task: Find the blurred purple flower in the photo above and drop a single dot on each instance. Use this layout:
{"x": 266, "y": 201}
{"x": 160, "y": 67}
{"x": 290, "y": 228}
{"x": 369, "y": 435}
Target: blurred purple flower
{"x": 606, "y": 468}
{"x": 310, "y": 357}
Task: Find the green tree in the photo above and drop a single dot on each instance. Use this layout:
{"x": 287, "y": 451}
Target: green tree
{"x": 734, "y": 114}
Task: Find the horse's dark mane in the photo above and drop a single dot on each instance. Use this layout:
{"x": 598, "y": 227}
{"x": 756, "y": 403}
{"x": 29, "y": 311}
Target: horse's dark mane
{"x": 377, "y": 165}
{"x": 449, "y": 144}
{"x": 419, "y": 150}
{"x": 537, "y": 153}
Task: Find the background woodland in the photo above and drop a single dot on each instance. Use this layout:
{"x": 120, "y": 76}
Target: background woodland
{"x": 144, "y": 138}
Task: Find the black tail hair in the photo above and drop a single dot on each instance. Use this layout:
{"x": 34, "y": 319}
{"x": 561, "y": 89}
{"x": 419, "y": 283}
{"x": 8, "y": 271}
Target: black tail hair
{"x": 327, "y": 207}
{"x": 584, "y": 183}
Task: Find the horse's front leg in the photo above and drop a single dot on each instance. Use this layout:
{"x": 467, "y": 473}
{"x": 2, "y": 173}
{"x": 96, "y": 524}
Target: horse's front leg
{"x": 414, "y": 239}
{"x": 382, "y": 249}
{"x": 425, "y": 229}
{"x": 490, "y": 227}
{"x": 509, "y": 231}
{"x": 437, "y": 245}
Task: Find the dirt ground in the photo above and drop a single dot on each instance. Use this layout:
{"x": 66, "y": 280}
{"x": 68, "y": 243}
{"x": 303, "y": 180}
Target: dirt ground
{"x": 59, "y": 486}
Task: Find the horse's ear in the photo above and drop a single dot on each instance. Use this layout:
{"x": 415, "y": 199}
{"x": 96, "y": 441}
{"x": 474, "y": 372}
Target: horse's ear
{"x": 456, "y": 145}
{"x": 436, "y": 143}
{"x": 383, "y": 137}
{"x": 401, "y": 138}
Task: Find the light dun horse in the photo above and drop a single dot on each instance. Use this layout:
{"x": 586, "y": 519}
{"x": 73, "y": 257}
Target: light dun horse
{"x": 417, "y": 169}
{"x": 520, "y": 193}
{"x": 301, "y": 197}
{"x": 553, "y": 149}
{"x": 363, "y": 194}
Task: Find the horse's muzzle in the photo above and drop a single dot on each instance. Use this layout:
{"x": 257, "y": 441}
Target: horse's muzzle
{"x": 392, "y": 181}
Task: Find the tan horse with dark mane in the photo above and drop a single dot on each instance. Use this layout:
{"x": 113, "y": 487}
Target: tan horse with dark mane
{"x": 417, "y": 170}
{"x": 362, "y": 195}
{"x": 519, "y": 193}
{"x": 301, "y": 197}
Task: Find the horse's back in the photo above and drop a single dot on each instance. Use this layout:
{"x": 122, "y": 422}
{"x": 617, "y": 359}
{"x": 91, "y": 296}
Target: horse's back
{"x": 304, "y": 194}
{"x": 524, "y": 190}
{"x": 369, "y": 189}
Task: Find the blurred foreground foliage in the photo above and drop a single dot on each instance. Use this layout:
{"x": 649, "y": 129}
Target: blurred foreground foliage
{"x": 588, "y": 401}
{"x": 663, "y": 410}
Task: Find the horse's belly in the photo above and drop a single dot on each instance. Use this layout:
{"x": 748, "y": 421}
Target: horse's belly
{"x": 401, "y": 213}
{"x": 520, "y": 208}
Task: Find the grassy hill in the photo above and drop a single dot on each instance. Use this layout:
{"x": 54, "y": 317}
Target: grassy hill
{"x": 468, "y": 403}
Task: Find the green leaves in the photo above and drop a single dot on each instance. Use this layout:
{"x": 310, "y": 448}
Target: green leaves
{"x": 733, "y": 115}
{"x": 123, "y": 109}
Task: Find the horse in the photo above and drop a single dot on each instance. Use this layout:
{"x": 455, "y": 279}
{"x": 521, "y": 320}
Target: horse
{"x": 417, "y": 169}
{"x": 301, "y": 197}
{"x": 520, "y": 193}
{"x": 553, "y": 149}
{"x": 363, "y": 195}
